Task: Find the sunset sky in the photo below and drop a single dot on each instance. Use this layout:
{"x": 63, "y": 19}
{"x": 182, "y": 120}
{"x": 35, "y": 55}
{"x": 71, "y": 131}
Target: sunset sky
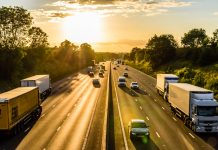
{"x": 118, "y": 25}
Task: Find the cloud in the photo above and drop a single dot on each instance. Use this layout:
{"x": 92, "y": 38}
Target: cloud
{"x": 105, "y": 8}
{"x": 215, "y": 13}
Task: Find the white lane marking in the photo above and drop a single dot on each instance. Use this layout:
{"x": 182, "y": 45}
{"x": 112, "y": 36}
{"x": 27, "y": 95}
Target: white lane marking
{"x": 27, "y": 129}
{"x": 174, "y": 119}
{"x": 149, "y": 94}
{"x": 163, "y": 108}
{"x": 68, "y": 114}
{"x": 191, "y": 135}
{"x": 42, "y": 115}
{"x": 44, "y": 149}
{"x": 136, "y": 100}
{"x": 120, "y": 116}
{"x": 155, "y": 100}
{"x": 147, "y": 118}
{"x": 140, "y": 107}
{"x": 157, "y": 135}
{"x": 58, "y": 129}
{"x": 53, "y": 106}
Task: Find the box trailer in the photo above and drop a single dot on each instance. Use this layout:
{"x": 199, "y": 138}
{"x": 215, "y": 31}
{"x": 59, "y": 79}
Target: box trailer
{"x": 163, "y": 81}
{"x": 196, "y": 106}
{"x": 43, "y": 82}
{"x": 17, "y": 106}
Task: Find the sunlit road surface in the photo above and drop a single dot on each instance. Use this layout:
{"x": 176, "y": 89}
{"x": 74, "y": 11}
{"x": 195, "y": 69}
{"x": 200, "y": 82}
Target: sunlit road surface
{"x": 69, "y": 117}
{"x": 166, "y": 131}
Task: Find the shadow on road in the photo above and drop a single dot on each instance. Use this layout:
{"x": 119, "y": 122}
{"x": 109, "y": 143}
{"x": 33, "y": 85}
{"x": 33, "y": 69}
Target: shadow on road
{"x": 129, "y": 91}
{"x": 210, "y": 138}
{"x": 11, "y": 142}
{"x": 144, "y": 143}
{"x": 140, "y": 91}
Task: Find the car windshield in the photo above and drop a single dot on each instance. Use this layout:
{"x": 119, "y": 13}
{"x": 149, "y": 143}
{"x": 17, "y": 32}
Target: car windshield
{"x": 207, "y": 110}
{"x": 138, "y": 125}
{"x": 122, "y": 80}
{"x": 134, "y": 83}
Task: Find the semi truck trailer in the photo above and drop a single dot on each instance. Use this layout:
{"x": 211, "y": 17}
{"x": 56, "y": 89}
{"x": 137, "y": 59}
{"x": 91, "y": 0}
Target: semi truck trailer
{"x": 43, "y": 82}
{"x": 196, "y": 106}
{"x": 17, "y": 107}
{"x": 163, "y": 81}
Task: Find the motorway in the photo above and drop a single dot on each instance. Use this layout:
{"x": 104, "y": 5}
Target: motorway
{"x": 72, "y": 117}
{"x": 167, "y": 131}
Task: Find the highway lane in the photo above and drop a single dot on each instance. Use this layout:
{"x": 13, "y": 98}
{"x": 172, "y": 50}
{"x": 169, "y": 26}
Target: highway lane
{"x": 67, "y": 118}
{"x": 204, "y": 141}
{"x": 166, "y": 133}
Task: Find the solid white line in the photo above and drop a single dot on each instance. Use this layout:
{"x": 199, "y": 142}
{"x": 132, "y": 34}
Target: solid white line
{"x": 191, "y": 135}
{"x": 58, "y": 129}
{"x": 141, "y": 107}
{"x": 121, "y": 121}
{"x": 157, "y": 134}
{"x": 163, "y": 108}
{"x": 174, "y": 119}
{"x": 147, "y": 118}
{"x": 26, "y": 129}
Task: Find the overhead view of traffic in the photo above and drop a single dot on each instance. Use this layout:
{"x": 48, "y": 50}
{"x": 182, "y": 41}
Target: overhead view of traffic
{"x": 108, "y": 75}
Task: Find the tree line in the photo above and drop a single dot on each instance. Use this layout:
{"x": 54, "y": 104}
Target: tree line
{"x": 194, "y": 61}
{"x": 196, "y": 46}
{"x": 25, "y": 51}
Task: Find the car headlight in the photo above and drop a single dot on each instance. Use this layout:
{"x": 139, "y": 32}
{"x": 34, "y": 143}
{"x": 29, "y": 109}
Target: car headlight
{"x": 133, "y": 133}
{"x": 147, "y": 133}
{"x": 216, "y": 127}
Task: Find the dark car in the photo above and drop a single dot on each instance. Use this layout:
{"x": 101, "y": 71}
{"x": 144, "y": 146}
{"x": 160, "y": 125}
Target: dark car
{"x": 125, "y": 74}
{"x": 100, "y": 74}
{"x": 114, "y": 68}
{"x": 91, "y": 74}
{"x": 96, "y": 82}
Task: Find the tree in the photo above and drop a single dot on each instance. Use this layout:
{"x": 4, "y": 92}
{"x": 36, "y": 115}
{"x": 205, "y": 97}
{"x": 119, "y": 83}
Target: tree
{"x": 214, "y": 39}
{"x": 133, "y": 52}
{"x": 14, "y": 25}
{"x": 195, "y": 38}
{"x": 160, "y": 49}
{"x": 38, "y": 38}
{"x": 87, "y": 54}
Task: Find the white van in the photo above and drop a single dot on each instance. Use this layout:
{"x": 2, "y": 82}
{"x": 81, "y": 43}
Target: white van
{"x": 121, "y": 81}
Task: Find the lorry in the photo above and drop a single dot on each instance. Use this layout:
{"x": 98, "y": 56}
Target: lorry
{"x": 43, "y": 82}
{"x": 163, "y": 81}
{"x": 17, "y": 107}
{"x": 196, "y": 106}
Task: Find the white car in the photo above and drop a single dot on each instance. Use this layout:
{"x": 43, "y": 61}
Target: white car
{"x": 138, "y": 128}
{"x": 134, "y": 85}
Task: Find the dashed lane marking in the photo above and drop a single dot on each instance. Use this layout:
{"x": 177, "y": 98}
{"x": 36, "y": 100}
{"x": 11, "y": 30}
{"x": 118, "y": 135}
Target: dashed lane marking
{"x": 147, "y": 118}
{"x": 68, "y": 114}
{"x": 155, "y": 100}
{"x": 27, "y": 129}
{"x": 174, "y": 119}
{"x": 191, "y": 135}
{"x": 140, "y": 107}
{"x": 58, "y": 129}
{"x": 157, "y": 135}
{"x": 163, "y": 108}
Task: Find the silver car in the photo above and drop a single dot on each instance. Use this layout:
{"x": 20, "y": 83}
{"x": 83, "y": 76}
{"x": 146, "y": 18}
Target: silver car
{"x": 138, "y": 128}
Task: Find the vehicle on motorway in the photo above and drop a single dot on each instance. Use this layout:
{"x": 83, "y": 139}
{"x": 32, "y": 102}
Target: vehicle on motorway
{"x": 134, "y": 85}
{"x": 17, "y": 106}
{"x": 117, "y": 65}
{"x": 138, "y": 128}
{"x": 96, "y": 82}
{"x": 196, "y": 106}
{"x": 43, "y": 82}
{"x": 121, "y": 81}
{"x": 90, "y": 69}
{"x": 163, "y": 81}
{"x": 91, "y": 74}
{"x": 125, "y": 74}
{"x": 126, "y": 68}
{"x": 100, "y": 74}
{"x": 102, "y": 67}
{"x": 114, "y": 68}
{"x": 101, "y": 70}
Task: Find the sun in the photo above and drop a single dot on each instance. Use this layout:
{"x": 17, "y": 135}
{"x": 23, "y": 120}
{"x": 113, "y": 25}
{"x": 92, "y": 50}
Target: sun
{"x": 83, "y": 27}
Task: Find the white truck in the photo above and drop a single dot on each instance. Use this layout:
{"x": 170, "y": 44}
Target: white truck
{"x": 163, "y": 81}
{"x": 196, "y": 106}
{"x": 43, "y": 82}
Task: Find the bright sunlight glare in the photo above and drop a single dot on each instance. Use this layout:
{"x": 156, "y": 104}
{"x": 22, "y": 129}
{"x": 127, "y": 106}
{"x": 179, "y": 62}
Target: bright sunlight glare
{"x": 83, "y": 27}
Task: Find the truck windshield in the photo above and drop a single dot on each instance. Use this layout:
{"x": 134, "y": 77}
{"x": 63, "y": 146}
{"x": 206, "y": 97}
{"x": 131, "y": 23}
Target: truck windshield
{"x": 207, "y": 110}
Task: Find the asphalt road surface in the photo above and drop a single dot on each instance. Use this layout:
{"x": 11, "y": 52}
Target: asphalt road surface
{"x": 166, "y": 131}
{"x": 72, "y": 117}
